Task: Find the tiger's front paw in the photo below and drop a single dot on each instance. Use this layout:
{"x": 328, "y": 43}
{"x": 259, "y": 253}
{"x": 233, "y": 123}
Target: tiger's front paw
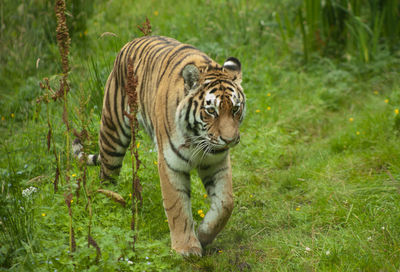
{"x": 190, "y": 251}
{"x": 193, "y": 248}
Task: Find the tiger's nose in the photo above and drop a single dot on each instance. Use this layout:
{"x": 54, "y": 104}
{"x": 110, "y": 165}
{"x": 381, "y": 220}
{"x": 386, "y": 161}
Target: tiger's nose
{"x": 231, "y": 141}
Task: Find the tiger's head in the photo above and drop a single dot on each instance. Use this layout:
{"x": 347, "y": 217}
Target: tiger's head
{"x": 214, "y": 106}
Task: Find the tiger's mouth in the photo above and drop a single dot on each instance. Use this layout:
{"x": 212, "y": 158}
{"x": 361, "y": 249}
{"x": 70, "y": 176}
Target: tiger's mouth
{"x": 218, "y": 148}
{"x": 210, "y": 146}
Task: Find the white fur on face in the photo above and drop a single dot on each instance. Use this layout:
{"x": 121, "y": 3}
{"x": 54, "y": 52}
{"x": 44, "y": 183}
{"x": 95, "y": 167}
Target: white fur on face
{"x": 211, "y": 97}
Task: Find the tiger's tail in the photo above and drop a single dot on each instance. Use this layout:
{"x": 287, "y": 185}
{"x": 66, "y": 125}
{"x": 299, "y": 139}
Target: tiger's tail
{"x": 77, "y": 149}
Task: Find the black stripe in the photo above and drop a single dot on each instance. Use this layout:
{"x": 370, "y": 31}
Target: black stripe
{"x": 187, "y": 175}
{"x": 115, "y": 110}
{"x": 173, "y": 205}
{"x": 201, "y": 95}
{"x": 172, "y": 70}
{"x": 230, "y": 89}
{"x": 204, "y": 167}
{"x": 104, "y": 140}
{"x": 176, "y": 217}
{"x": 188, "y": 107}
{"x": 95, "y": 158}
{"x": 184, "y": 229}
{"x": 170, "y": 59}
{"x": 173, "y": 147}
{"x": 140, "y": 49}
{"x": 113, "y": 153}
{"x": 212, "y": 84}
{"x": 209, "y": 182}
{"x": 210, "y": 178}
{"x": 186, "y": 192}
{"x": 166, "y": 111}
{"x": 218, "y": 151}
{"x": 107, "y": 177}
{"x": 111, "y": 167}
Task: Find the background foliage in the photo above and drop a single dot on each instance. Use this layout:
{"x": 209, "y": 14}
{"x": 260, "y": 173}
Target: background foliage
{"x": 316, "y": 175}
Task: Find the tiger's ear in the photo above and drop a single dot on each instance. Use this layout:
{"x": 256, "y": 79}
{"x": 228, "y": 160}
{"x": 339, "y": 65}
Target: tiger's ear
{"x": 191, "y": 77}
{"x": 233, "y": 65}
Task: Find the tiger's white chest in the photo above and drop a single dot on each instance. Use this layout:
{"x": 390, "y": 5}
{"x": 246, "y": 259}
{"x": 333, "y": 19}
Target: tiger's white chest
{"x": 184, "y": 158}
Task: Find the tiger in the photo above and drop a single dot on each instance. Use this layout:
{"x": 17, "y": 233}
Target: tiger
{"x": 192, "y": 108}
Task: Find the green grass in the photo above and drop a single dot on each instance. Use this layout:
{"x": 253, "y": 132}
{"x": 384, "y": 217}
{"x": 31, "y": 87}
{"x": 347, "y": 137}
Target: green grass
{"x": 316, "y": 175}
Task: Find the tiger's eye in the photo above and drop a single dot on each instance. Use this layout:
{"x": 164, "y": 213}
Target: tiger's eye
{"x": 235, "y": 108}
{"x": 211, "y": 111}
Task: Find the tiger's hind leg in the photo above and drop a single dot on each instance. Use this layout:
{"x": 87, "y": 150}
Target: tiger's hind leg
{"x": 115, "y": 133}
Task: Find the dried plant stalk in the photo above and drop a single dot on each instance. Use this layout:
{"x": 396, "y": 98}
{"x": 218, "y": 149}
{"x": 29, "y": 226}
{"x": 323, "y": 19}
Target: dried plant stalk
{"x": 145, "y": 28}
{"x": 50, "y": 137}
{"x": 130, "y": 89}
{"x": 93, "y": 243}
{"x": 72, "y": 242}
{"x": 63, "y": 42}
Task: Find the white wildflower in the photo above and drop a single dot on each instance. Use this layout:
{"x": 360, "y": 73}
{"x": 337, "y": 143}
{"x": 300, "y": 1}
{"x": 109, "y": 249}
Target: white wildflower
{"x": 327, "y": 253}
{"x": 28, "y": 191}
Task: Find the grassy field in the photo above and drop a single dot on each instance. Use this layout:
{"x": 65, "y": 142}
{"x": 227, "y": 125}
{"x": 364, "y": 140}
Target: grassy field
{"x": 316, "y": 175}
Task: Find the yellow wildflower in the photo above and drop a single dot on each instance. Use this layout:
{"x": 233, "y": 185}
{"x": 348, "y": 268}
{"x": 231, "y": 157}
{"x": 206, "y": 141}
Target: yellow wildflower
{"x": 298, "y": 208}
{"x": 85, "y": 33}
{"x": 202, "y": 215}
{"x": 257, "y": 111}
{"x": 138, "y": 144}
{"x": 73, "y": 175}
{"x": 12, "y": 115}
{"x": 358, "y": 133}
{"x": 43, "y": 214}
{"x": 268, "y": 94}
{"x": 219, "y": 251}
{"x": 156, "y": 13}
{"x": 386, "y": 101}
{"x": 205, "y": 195}
{"x": 268, "y": 108}
{"x": 155, "y": 162}
{"x": 3, "y": 118}
{"x": 251, "y": 195}
{"x": 376, "y": 92}
{"x": 72, "y": 201}
{"x": 351, "y": 119}
{"x": 396, "y": 111}
{"x": 166, "y": 220}
{"x": 200, "y": 211}
{"x": 130, "y": 195}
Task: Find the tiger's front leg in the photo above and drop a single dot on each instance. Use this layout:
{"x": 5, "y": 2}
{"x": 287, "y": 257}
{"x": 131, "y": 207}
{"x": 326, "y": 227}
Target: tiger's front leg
{"x": 175, "y": 187}
{"x": 218, "y": 183}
